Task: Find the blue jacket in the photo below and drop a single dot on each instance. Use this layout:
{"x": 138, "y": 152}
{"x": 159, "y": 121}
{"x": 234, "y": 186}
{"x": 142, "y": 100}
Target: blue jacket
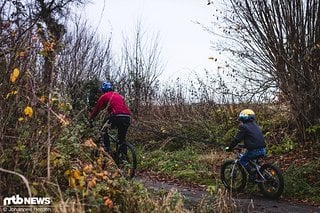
{"x": 251, "y": 134}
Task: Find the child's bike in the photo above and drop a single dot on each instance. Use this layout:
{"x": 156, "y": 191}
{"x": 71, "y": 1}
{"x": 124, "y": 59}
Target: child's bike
{"x": 268, "y": 177}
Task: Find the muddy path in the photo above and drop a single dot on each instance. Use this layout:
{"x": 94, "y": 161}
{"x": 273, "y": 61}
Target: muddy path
{"x": 193, "y": 194}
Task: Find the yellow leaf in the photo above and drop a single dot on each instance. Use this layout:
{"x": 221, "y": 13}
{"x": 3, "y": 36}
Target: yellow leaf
{"x": 22, "y": 54}
{"x": 67, "y": 173}
{"x": 13, "y": 79}
{"x": 20, "y": 119}
{"x": 14, "y": 75}
{"x": 42, "y": 99}
{"x": 76, "y": 174}
{"x": 28, "y": 111}
{"x": 11, "y": 93}
{"x": 8, "y": 95}
{"x": 16, "y": 72}
{"x": 72, "y": 182}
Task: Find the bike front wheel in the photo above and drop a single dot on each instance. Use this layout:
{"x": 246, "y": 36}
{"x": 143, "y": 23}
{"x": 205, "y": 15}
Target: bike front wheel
{"x": 272, "y": 185}
{"x": 127, "y": 160}
{"x": 233, "y": 176}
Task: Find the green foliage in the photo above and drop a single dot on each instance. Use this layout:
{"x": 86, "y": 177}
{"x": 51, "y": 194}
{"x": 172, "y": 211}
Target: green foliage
{"x": 288, "y": 144}
{"x": 303, "y": 181}
{"x": 313, "y": 132}
{"x": 183, "y": 164}
{"x": 313, "y": 129}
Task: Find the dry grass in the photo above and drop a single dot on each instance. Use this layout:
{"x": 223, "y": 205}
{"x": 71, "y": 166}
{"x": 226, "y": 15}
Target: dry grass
{"x": 69, "y": 206}
{"x": 214, "y": 157}
{"x": 221, "y": 202}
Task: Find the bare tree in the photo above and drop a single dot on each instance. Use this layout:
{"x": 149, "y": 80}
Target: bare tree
{"x": 141, "y": 68}
{"x": 83, "y": 59}
{"x": 48, "y": 15}
{"x": 279, "y": 43}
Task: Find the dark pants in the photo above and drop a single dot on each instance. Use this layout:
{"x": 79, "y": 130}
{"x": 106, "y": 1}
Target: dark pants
{"x": 121, "y": 123}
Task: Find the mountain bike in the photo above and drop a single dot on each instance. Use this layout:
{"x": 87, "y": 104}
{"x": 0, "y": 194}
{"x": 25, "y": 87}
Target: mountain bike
{"x": 267, "y": 176}
{"x": 123, "y": 154}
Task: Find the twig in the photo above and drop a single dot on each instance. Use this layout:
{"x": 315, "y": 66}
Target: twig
{"x": 63, "y": 203}
{"x": 24, "y": 179}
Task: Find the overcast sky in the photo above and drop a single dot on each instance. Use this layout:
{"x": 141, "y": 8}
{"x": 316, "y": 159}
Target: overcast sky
{"x": 185, "y": 46}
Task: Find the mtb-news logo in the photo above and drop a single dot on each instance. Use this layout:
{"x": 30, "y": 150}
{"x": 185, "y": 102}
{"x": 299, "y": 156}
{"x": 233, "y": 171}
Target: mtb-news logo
{"x": 16, "y": 203}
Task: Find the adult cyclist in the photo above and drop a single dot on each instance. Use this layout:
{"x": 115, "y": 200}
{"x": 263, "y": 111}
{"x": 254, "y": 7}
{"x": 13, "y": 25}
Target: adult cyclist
{"x": 119, "y": 113}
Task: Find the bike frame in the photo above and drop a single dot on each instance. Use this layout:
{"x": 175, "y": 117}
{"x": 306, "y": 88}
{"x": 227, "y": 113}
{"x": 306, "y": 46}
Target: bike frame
{"x": 112, "y": 138}
{"x": 254, "y": 162}
{"x": 115, "y": 140}
{"x": 266, "y": 175}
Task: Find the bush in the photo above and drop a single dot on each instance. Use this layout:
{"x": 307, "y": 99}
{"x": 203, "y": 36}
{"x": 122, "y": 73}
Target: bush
{"x": 303, "y": 181}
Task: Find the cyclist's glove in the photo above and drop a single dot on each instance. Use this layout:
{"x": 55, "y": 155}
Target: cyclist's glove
{"x": 228, "y": 149}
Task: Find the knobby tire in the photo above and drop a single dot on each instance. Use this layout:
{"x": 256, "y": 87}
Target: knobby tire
{"x": 127, "y": 162}
{"x": 233, "y": 176}
{"x": 273, "y": 185}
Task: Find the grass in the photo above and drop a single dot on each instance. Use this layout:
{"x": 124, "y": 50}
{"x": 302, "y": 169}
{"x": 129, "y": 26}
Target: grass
{"x": 196, "y": 163}
{"x": 187, "y": 164}
{"x": 303, "y": 182}
{"x": 202, "y": 166}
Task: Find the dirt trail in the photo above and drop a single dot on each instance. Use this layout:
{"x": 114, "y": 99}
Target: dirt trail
{"x": 257, "y": 203}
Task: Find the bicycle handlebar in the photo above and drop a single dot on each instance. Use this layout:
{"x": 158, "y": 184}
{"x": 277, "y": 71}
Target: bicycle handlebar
{"x": 106, "y": 125}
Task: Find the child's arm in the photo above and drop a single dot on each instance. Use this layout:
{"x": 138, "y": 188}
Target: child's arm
{"x": 238, "y": 137}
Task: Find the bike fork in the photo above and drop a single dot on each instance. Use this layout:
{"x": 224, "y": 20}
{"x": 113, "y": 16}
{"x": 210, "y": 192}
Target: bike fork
{"x": 233, "y": 171}
{"x": 262, "y": 178}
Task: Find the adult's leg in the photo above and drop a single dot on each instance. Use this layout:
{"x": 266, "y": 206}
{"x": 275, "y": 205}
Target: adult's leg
{"x": 123, "y": 123}
{"x": 106, "y": 142}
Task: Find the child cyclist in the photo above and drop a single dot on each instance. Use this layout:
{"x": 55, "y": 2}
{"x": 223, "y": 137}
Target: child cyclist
{"x": 250, "y": 133}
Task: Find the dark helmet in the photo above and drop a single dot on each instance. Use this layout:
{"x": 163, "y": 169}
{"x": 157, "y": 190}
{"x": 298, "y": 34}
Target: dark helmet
{"x": 246, "y": 115}
{"x": 106, "y": 87}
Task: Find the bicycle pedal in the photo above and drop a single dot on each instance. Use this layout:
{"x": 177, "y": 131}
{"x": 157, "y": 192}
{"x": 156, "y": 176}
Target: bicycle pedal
{"x": 258, "y": 181}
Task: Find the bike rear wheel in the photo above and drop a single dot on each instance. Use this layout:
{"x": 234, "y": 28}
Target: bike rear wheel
{"x": 127, "y": 160}
{"x": 233, "y": 176}
{"x": 273, "y": 184}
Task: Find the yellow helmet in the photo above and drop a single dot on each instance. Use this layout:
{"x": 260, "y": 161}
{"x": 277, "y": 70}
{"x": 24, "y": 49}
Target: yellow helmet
{"x": 246, "y": 115}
